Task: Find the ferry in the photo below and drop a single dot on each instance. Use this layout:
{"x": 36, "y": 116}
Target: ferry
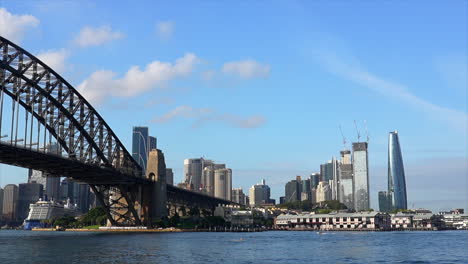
{"x": 44, "y": 210}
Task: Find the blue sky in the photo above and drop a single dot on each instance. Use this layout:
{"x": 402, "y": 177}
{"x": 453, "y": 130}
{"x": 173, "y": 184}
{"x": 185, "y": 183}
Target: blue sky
{"x": 263, "y": 86}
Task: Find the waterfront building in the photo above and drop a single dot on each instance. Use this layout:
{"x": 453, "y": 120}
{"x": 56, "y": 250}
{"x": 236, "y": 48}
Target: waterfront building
{"x": 259, "y": 194}
{"x": 396, "y": 173}
{"x": 223, "y": 183}
{"x": 10, "y": 202}
{"x": 323, "y": 192}
{"x": 28, "y": 193}
{"x": 385, "y": 203}
{"x": 238, "y": 196}
{"x": 169, "y": 176}
{"x": 343, "y": 221}
{"x": 345, "y": 180}
{"x": 140, "y": 146}
{"x": 402, "y": 220}
{"x": 361, "y": 176}
{"x": 235, "y": 216}
{"x": 293, "y": 190}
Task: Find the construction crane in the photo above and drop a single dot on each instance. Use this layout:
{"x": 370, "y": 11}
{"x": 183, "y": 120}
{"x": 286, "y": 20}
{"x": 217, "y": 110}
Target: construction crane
{"x": 367, "y": 132}
{"x": 357, "y": 131}
{"x": 344, "y": 139}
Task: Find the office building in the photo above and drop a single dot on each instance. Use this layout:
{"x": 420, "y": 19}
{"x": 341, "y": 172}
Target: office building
{"x": 35, "y": 176}
{"x": 293, "y": 190}
{"x": 207, "y": 180}
{"x": 28, "y": 193}
{"x": 223, "y": 183}
{"x": 10, "y": 203}
{"x": 140, "y": 146}
{"x": 329, "y": 173}
{"x": 193, "y": 169}
{"x": 306, "y": 189}
{"x": 314, "y": 179}
{"x": 396, "y": 173}
{"x": 259, "y": 194}
{"x": 83, "y": 197}
{"x": 323, "y": 192}
{"x": 169, "y": 176}
{"x": 153, "y": 143}
{"x": 1, "y": 204}
{"x": 238, "y": 196}
{"x": 385, "y": 202}
{"x": 345, "y": 180}
{"x": 361, "y": 176}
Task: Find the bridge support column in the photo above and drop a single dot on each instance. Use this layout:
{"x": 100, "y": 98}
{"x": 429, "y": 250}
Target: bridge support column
{"x": 155, "y": 195}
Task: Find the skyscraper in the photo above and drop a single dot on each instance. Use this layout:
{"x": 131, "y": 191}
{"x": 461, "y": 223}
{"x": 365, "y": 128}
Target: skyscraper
{"x": 323, "y": 192}
{"x": 193, "y": 169}
{"x": 1, "y": 204}
{"x": 27, "y": 193}
{"x": 223, "y": 184}
{"x": 238, "y": 196}
{"x": 293, "y": 190}
{"x": 385, "y": 203}
{"x": 140, "y": 146}
{"x": 314, "y": 179}
{"x": 153, "y": 143}
{"x": 329, "y": 173}
{"x": 169, "y": 176}
{"x": 345, "y": 180}
{"x": 361, "y": 176}
{"x": 259, "y": 194}
{"x": 10, "y": 202}
{"x": 396, "y": 173}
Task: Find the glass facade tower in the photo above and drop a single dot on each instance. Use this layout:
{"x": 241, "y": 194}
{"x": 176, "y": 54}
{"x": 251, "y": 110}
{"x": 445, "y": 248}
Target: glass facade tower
{"x": 140, "y": 146}
{"x": 361, "y": 176}
{"x": 396, "y": 173}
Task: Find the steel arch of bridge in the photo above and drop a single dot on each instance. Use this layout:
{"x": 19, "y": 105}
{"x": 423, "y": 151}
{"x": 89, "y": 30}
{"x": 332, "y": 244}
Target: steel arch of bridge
{"x": 68, "y": 117}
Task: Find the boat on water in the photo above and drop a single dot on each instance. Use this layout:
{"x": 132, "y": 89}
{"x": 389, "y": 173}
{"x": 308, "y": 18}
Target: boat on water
{"x": 45, "y": 210}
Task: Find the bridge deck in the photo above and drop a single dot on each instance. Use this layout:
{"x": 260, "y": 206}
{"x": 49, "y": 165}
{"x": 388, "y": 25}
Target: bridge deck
{"x": 60, "y": 166}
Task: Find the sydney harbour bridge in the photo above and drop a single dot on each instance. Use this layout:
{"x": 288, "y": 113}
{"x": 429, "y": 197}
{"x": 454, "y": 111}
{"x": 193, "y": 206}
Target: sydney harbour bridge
{"x": 39, "y": 108}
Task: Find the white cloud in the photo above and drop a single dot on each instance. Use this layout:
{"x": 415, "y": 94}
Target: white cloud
{"x": 104, "y": 83}
{"x": 184, "y": 111}
{"x": 13, "y": 27}
{"x": 247, "y": 69}
{"x": 208, "y": 75}
{"x": 165, "y": 29}
{"x": 89, "y": 36}
{"x": 55, "y": 59}
{"x": 200, "y": 116}
{"x": 454, "y": 118}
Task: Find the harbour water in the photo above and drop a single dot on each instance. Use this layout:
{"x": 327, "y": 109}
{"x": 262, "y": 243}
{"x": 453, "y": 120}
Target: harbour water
{"x": 262, "y": 247}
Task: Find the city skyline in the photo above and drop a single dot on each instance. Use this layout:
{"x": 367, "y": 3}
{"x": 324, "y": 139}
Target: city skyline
{"x": 267, "y": 137}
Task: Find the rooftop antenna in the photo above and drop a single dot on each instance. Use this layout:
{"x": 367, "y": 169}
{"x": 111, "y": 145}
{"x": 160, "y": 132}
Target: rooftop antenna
{"x": 344, "y": 139}
{"x": 367, "y": 132}
{"x": 357, "y": 131}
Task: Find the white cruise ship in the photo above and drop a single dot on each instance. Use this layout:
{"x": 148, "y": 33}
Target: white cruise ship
{"x": 44, "y": 210}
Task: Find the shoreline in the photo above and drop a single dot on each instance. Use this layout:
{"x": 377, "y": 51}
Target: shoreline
{"x": 177, "y": 230}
